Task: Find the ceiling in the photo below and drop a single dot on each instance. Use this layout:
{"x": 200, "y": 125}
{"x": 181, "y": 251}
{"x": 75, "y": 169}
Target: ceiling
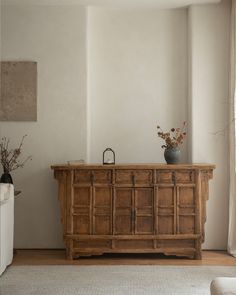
{"x": 110, "y": 3}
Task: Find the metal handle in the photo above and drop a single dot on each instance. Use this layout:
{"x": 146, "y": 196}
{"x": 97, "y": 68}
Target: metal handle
{"x": 173, "y": 178}
{"x": 191, "y": 176}
{"x": 93, "y": 178}
{"x": 133, "y": 179}
{"x": 134, "y": 214}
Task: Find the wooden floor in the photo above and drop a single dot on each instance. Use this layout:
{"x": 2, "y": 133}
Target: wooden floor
{"x": 57, "y": 257}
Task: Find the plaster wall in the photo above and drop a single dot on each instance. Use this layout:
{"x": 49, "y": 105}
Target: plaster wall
{"x": 55, "y": 37}
{"x": 106, "y": 78}
{"x": 137, "y": 80}
{"x": 209, "y": 27}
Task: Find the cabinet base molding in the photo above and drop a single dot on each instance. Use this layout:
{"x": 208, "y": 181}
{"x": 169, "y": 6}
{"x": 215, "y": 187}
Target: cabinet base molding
{"x": 87, "y": 246}
{"x": 133, "y": 208}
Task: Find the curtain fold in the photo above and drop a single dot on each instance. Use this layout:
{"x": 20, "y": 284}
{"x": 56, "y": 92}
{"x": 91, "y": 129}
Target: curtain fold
{"x": 232, "y": 138}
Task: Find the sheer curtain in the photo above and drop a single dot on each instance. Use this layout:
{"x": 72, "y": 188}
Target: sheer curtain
{"x": 232, "y": 135}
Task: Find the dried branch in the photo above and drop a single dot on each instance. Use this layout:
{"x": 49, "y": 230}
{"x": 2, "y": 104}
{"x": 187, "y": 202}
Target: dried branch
{"x": 9, "y": 157}
{"x": 174, "y": 137}
{"x": 226, "y": 127}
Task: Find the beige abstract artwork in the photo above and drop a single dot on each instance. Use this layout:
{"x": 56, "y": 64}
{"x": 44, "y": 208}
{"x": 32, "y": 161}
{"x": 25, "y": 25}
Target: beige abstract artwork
{"x": 18, "y": 100}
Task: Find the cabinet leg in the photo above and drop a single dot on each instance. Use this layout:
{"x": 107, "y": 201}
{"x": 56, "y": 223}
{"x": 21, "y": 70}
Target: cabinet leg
{"x": 198, "y": 246}
{"x": 198, "y": 255}
{"x": 69, "y": 254}
{"x": 69, "y": 250}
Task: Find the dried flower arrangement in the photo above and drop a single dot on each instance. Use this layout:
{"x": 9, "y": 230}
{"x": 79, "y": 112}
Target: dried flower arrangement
{"x": 9, "y": 157}
{"x": 174, "y": 137}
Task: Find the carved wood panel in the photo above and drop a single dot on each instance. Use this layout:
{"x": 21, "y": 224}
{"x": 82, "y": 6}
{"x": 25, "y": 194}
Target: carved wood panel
{"x": 90, "y": 177}
{"x": 144, "y": 211}
{"x": 123, "y": 205}
{"x": 82, "y": 219}
{"x": 133, "y": 177}
{"x": 133, "y": 209}
{"x": 185, "y": 209}
{"x": 166, "y": 200}
{"x": 102, "y": 210}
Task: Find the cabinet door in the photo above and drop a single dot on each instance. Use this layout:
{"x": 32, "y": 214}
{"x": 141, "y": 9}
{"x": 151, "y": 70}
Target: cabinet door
{"x": 123, "y": 204}
{"x": 81, "y": 214}
{"x": 144, "y": 217}
{"x": 102, "y": 210}
{"x": 165, "y": 209}
{"x": 186, "y": 202}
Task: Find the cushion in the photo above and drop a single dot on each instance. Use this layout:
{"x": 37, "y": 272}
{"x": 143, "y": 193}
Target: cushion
{"x": 223, "y": 286}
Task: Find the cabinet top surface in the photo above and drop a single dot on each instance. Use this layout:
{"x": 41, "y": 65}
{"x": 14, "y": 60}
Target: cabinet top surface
{"x": 132, "y": 166}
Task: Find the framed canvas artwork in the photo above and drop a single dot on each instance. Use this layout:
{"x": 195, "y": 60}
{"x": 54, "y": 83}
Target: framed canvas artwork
{"x": 18, "y": 100}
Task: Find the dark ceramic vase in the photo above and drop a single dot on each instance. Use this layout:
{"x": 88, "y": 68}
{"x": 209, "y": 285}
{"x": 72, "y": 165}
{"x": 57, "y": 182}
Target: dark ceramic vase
{"x": 172, "y": 155}
{"x": 6, "y": 178}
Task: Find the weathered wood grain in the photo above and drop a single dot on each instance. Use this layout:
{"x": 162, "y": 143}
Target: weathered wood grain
{"x": 148, "y": 208}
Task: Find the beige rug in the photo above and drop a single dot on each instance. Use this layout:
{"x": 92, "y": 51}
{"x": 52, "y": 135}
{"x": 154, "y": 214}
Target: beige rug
{"x": 110, "y": 280}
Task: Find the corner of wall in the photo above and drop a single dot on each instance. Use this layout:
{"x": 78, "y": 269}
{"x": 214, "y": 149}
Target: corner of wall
{"x": 189, "y": 50}
{"x": 88, "y": 115}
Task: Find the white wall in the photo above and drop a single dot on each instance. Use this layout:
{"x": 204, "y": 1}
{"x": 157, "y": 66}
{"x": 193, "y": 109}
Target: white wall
{"x": 140, "y": 66}
{"x": 137, "y": 79}
{"x": 209, "y": 31}
{"x": 55, "y": 37}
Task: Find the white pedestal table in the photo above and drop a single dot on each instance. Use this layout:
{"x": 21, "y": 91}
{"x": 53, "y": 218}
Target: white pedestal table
{"x": 6, "y": 225}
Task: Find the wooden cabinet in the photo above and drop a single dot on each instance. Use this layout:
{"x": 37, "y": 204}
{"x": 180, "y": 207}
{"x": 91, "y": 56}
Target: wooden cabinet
{"x": 149, "y": 208}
